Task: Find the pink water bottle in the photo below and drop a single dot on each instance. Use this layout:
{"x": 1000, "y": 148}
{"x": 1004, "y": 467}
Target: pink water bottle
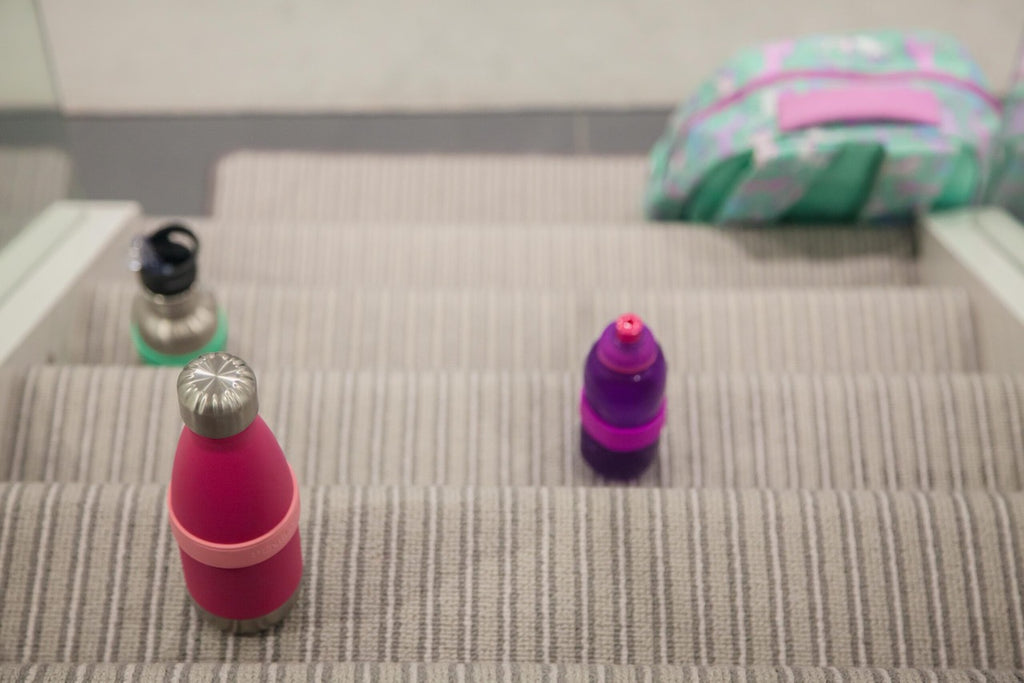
{"x": 233, "y": 502}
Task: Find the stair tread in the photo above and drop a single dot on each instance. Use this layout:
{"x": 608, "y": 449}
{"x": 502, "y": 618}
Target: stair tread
{"x": 426, "y": 188}
{"x": 33, "y": 177}
{"x": 897, "y": 579}
{"x": 445, "y": 672}
{"x": 557, "y": 255}
{"x": 842, "y": 329}
{"x": 937, "y": 432}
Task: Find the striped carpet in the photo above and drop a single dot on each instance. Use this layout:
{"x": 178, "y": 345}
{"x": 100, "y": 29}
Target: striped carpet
{"x": 838, "y": 497}
{"x": 492, "y": 673}
{"x": 31, "y": 178}
{"x": 615, "y": 575}
{"x": 932, "y": 432}
{"x": 557, "y": 256}
{"x": 272, "y": 186}
{"x": 786, "y": 330}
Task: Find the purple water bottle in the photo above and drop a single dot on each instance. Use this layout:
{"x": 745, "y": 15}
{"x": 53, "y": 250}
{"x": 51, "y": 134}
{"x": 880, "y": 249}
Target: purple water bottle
{"x": 622, "y": 409}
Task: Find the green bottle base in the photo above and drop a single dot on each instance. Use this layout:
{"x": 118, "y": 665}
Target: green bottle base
{"x": 153, "y": 357}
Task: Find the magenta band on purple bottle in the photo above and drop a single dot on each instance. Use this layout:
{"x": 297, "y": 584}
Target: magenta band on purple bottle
{"x": 622, "y": 439}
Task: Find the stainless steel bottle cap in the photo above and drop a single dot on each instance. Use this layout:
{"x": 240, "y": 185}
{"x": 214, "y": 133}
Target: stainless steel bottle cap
{"x": 217, "y": 395}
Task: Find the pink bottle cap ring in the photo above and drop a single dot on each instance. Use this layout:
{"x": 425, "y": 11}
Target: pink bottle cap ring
{"x": 628, "y": 328}
{"x": 626, "y": 346}
{"x": 620, "y": 439}
{"x": 238, "y": 555}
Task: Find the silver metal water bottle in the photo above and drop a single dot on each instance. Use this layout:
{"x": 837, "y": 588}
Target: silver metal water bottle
{"x": 174, "y": 319}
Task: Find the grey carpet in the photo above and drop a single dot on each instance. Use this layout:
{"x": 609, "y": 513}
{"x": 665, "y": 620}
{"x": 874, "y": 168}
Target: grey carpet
{"x": 31, "y": 178}
{"x": 490, "y": 672}
{"x": 626, "y": 576}
{"x": 557, "y": 256}
{"x": 939, "y": 432}
{"x": 428, "y": 188}
{"x": 821, "y": 330}
{"x": 837, "y": 488}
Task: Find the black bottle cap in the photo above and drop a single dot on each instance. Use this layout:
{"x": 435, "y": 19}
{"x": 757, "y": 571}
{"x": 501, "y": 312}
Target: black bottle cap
{"x": 168, "y": 266}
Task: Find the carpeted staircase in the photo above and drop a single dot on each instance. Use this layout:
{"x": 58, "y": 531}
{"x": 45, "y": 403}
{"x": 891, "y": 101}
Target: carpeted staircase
{"x": 30, "y": 179}
{"x": 838, "y": 497}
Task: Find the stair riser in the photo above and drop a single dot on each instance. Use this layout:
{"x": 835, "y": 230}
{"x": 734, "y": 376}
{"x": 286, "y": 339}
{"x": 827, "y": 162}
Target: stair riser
{"x": 777, "y": 330}
{"x": 424, "y": 189}
{"x": 927, "y": 432}
{"x": 491, "y": 673}
{"x": 559, "y": 257}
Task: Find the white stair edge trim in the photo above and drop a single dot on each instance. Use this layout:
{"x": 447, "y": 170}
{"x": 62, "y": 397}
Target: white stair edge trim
{"x": 982, "y": 240}
{"x": 1006, "y": 233}
{"x": 31, "y": 245}
{"x": 982, "y": 250}
{"x": 51, "y": 255}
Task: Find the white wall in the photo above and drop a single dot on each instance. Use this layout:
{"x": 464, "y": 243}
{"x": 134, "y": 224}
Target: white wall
{"x": 162, "y": 56}
{"x": 24, "y": 74}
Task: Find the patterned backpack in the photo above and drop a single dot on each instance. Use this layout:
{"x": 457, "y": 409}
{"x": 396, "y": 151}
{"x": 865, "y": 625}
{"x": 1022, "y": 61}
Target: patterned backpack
{"x": 1008, "y": 168}
{"x": 865, "y": 127}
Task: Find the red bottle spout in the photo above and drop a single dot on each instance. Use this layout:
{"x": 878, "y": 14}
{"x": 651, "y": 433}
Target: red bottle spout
{"x": 628, "y": 328}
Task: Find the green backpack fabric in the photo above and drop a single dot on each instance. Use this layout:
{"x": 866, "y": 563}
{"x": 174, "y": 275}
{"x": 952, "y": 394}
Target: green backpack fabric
{"x": 865, "y": 127}
{"x": 1007, "y": 188}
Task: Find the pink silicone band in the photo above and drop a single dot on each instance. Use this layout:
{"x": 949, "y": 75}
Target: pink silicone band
{"x": 858, "y": 103}
{"x": 238, "y": 555}
{"x": 623, "y": 439}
